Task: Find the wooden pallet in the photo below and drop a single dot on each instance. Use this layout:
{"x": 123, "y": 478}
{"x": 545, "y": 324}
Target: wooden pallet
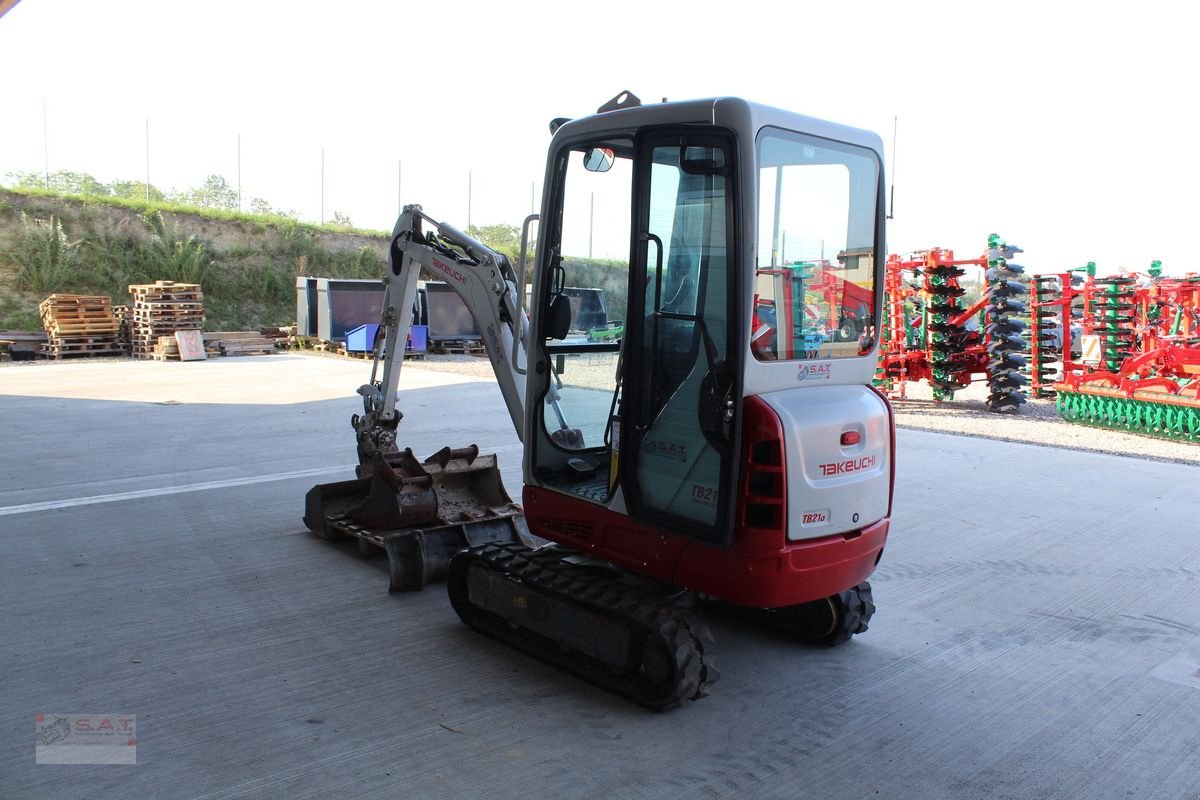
{"x": 80, "y": 303}
{"x": 164, "y": 290}
{"x": 74, "y": 320}
{"x": 142, "y": 316}
{"x": 164, "y": 319}
{"x": 107, "y": 338}
{"x": 165, "y": 327}
{"x": 458, "y": 348}
{"x": 58, "y": 349}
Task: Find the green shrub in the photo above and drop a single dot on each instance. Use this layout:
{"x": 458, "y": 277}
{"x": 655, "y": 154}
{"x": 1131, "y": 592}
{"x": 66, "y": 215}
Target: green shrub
{"x": 44, "y": 256}
{"x": 16, "y": 315}
{"x": 176, "y": 258}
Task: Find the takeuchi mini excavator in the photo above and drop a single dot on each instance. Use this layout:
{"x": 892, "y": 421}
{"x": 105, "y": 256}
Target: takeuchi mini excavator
{"x": 719, "y": 457}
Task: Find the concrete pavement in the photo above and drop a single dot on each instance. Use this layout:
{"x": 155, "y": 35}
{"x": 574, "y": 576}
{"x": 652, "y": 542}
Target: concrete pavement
{"x": 1038, "y": 632}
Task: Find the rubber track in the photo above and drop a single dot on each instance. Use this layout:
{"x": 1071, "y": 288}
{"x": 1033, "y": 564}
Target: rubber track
{"x": 675, "y": 629}
{"x": 853, "y": 609}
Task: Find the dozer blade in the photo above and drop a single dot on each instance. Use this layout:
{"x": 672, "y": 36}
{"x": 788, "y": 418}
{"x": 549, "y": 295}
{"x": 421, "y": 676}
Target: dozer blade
{"x": 419, "y": 513}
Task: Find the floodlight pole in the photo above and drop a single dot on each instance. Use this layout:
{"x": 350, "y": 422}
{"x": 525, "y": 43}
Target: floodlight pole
{"x": 45, "y": 147}
{"x": 147, "y": 159}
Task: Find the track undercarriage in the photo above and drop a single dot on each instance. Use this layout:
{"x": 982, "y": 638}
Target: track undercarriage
{"x": 636, "y": 638}
{"x": 450, "y": 518}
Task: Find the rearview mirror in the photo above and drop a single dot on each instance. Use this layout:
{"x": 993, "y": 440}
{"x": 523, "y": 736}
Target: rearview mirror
{"x": 598, "y": 159}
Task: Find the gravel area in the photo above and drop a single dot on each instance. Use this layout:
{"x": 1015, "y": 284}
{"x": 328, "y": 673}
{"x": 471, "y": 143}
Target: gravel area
{"x": 1036, "y": 423}
{"x": 966, "y": 415}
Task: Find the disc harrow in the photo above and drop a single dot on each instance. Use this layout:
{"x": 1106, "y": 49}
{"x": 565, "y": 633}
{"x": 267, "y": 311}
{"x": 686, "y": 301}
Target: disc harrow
{"x": 1006, "y": 328}
{"x": 946, "y": 331}
{"x": 932, "y": 331}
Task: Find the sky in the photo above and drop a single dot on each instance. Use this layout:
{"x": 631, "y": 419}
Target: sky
{"x": 1068, "y": 128}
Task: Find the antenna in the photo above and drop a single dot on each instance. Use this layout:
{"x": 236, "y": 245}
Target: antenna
{"x": 892, "y": 191}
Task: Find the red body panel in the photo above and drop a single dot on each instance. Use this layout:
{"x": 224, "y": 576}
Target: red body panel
{"x": 760, "y": 569}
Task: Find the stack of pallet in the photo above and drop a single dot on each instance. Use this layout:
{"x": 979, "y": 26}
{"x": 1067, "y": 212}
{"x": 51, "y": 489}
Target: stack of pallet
{"x": 124, "y": 315}
{"x": 79, "y": 325}
{"x": 161, "y": 309}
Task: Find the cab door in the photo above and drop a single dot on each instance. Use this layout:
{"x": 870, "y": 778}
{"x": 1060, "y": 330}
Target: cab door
{"x": 682, "y": 390}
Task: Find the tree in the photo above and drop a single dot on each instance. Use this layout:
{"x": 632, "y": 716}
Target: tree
{"x": 27, "y": 180}
{"x": 136, "y": 190}
{"x": 215, "y": 192}
{"x": 496, "y": 236}
{"x": 62, "y": 181}
{"x": 260, "y": 206}
{"x": 501, "y": 238}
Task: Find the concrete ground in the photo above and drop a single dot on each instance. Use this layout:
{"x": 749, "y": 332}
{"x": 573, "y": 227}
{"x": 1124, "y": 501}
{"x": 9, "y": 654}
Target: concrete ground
{"x": 1038, "y": 632}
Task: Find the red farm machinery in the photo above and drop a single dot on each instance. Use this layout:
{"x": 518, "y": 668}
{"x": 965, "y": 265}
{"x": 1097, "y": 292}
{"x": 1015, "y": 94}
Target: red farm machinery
{"x": 1117, "y": 351}
{"x": 1138, "y": 359}
{"x": 933, "y": 331}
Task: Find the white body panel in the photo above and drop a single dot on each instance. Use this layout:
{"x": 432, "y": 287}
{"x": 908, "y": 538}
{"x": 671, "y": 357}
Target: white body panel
{"x": 831, "y": 488}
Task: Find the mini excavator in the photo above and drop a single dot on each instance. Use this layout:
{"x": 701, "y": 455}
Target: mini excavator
{"x": 720, "y": 456}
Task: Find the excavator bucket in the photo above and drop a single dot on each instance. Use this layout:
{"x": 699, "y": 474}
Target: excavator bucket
{"x": 419, "y": 513}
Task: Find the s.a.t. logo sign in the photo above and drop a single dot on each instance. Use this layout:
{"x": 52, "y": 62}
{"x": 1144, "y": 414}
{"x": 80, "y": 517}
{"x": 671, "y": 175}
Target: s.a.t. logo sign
{"x": 815, "y": 372}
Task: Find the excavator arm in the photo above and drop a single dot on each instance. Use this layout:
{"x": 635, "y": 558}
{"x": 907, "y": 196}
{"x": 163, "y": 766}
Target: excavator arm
{"x": 421, "y": 512}
{"x": 487, "y": 284}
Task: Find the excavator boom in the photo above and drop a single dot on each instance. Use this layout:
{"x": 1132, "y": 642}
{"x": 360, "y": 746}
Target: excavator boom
{"x": 421, "y": 512}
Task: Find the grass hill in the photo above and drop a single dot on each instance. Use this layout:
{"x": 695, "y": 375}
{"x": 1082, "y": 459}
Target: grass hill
{"x": 246, "y": 264}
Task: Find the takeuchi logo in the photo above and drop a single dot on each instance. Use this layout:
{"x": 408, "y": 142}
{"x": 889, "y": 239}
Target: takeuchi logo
{"x": 843, "y": 467}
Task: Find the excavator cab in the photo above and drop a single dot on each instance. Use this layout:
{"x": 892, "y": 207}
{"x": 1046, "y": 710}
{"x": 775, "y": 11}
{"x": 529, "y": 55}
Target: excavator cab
{"x": 724, "y": 440}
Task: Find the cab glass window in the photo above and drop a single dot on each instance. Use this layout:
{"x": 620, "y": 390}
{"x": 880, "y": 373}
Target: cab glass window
{"x": 814, "y": 276}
